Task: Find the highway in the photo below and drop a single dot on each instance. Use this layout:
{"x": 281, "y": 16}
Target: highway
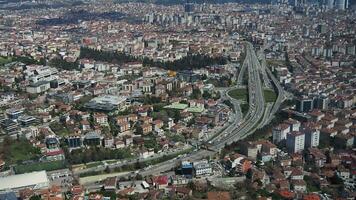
{"x": 252, "y": 119}
{"x": 280, "y": 91}
{"x": 120, "y": 163}
{"x": 258, "y": 114}
{"x": 262, "y": 67}
{"x": 234, "y": 132}
{"x": 271, "y": 109}
{"x": 240, "y": 77}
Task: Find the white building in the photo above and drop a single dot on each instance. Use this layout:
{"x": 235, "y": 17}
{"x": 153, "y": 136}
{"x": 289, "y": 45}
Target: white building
{"x": 202, "y": 168}
{"x": 280, "y": 132}
{"x": 295, "y": 141}
{"x": 312, "y": 137}
{"x": 42, "y": 73}
{"x": 293, "y": 124}
{"x": 299, "y": 185}
{"x": 107, "y": 102}
{"x": 38, "y": 87}
{"x": 33, "y": 180}
{"x": 342, "y": 4}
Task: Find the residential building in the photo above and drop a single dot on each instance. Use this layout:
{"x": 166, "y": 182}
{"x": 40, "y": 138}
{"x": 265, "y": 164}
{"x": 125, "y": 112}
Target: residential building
{"x": 312, "y": 137}
{"x": 279, "y": 133}
{"x": 295, "y": 142}
{"x": 202, "y": 168}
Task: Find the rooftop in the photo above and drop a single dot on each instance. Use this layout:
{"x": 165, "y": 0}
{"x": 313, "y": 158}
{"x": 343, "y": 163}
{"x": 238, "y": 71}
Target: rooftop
{"x": 36, "y": 179}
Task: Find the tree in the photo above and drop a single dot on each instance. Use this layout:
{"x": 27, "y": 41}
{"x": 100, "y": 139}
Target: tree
{"x": 196, "y": 94}
{"x": 36, "y": 197}
{"x": 107, "y": 170}
{"x": 186, "y": 63}
{"x": 206, "y": 95}
{"x": 138, "y": 130}
{"x": 249, "y": 174}
{"x": 63, "y": 64}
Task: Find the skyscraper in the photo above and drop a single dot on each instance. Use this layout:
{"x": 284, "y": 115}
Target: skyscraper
{"x": 312, "y": 137}
{"x": 295, "y": 141}
{"x": 299, "y": 3}
{"x": 330, "y": 4}
{"x": 342, "y": 4}
{"x": 188, "y": 6}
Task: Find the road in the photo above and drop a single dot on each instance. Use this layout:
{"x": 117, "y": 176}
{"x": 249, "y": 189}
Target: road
{"x": 234, "y": 118}
{"x": 239, "y": 128}
{"x": 269, "y": 82}
{"x": 120, "y": 163}
{"x": 252, "y": 119}
{"x": 240, "y": 77}
{"x": 235, "y": 132}
{"x": 262, "y": 68}
{"x": 280, "y": 93}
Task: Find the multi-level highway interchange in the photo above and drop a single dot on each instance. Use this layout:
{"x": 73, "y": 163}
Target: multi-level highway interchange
{"x": 238, "y": 127}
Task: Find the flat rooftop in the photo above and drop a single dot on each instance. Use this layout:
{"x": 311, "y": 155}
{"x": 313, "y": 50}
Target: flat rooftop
{"x": 34, "y": 179}
{"x": 177, "y": 106}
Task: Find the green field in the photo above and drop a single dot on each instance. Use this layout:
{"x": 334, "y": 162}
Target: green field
{"x": 4, "y": 60}
{"x": 15, "y": 151}
{"x": 177, "y": 106}
{"x": 269, "y": 95}
{"x": 59, "y": 129}
{"x": 48, "y": 166}
{"x": 138, "y": 165}
{"x": 244, "y": 108}
{"x": 239, "y": 94}
{"x": 94, "y": 164}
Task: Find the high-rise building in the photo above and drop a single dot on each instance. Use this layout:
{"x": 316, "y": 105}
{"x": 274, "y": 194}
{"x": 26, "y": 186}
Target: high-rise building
{"x": 304, "y": 104}
{"x": 312, "y": 137}
{"x": 279, "y": 133}
{"x": 299, "y": 3}
{"x": 295, "y": 141}
{"x": 188, "y": 7}
{"x": 281, "y": 2}
{"x": 330, "y": 4}
{"x": 342, "y": 4}
{"x": 202, "y": 167}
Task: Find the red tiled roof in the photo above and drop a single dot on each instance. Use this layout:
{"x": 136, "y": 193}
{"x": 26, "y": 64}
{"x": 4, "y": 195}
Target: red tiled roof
{"x": 161, "y": 180}
{"x": 54, "y": 153}
{"x": 311, "y": 197}
{"x": 286, "y": 194}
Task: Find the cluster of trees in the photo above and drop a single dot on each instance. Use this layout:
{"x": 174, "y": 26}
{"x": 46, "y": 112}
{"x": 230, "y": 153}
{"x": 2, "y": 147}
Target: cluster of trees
{"x": 96, "y": 154}
{"x": 148, "y": 100}
{"x": 196, "y": 94}
{"x": 180, "y": 2}
{"x": 223, "y": 81}
{"x": 73, "y": 17}
{"x": 55, "y": 62}
{"x": 19, "y": 150}
{"x": 59, "y": 128}
{"x": 37, "y": 166}
{"x": 188, "y": 62}
{"x": 152, "y": 143}
{"x": 106, "y": 56}
{"x": 228, "y": 103}
{"x": 164, "y": 114}
{"x": 23, "y": 59}
{"x": 59, "y": 63}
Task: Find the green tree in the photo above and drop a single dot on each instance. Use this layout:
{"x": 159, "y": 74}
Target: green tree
{"x": 63, "y": 64}
{"x": 206, "y": 95}
{"x": 35, "y": 197}
{"x": 196, "y": 94}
